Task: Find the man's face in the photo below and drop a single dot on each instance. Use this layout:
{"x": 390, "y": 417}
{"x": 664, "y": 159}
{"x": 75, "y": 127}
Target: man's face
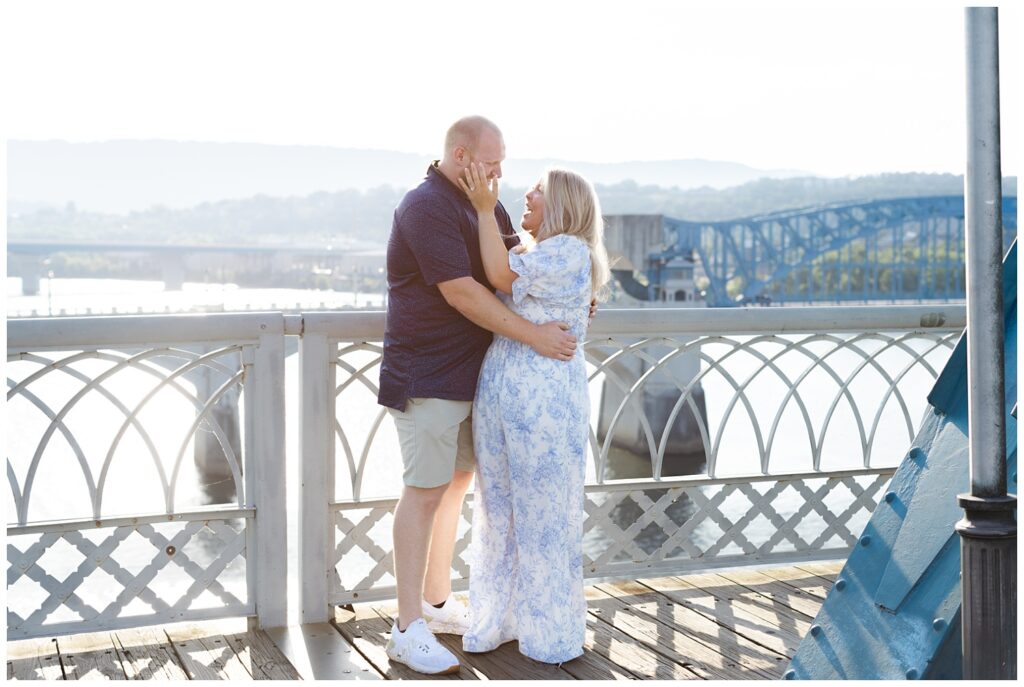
{"x": 490, "y": 151}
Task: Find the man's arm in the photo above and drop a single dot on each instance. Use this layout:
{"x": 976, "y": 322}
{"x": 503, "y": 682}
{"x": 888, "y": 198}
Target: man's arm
{"x": 482, "y": 308}
{"x": 493, "y": 252}
{"x": 483, "y": 193}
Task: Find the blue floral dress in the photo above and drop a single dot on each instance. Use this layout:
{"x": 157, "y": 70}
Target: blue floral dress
{"x": 530, "y": 429}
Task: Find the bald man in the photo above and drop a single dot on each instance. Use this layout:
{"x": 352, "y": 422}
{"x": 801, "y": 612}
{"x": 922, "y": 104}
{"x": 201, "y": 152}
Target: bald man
{"x": 441, "y": 315}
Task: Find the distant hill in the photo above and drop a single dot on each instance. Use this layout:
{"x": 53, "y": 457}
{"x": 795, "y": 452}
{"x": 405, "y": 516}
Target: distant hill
{"x": 125, "y": 176}
{"x": 324, "y": 218}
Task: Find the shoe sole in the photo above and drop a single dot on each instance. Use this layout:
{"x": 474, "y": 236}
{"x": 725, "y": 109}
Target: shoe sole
{"x": 450, "y": 671}
{"x": 447, "y": 671}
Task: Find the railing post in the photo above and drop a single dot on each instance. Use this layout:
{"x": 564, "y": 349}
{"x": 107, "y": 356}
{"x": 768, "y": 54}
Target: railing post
{"x": 314, "y": 514}
{"x": 268, "y": 480}
{"x": 988, "y": 531}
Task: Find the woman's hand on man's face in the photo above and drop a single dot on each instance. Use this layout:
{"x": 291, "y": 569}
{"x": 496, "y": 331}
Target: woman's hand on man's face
{"x": 480, "y": 190}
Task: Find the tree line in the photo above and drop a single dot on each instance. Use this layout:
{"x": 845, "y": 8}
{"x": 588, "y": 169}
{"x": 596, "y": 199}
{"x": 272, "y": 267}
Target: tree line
{"x": 337, "y": 217}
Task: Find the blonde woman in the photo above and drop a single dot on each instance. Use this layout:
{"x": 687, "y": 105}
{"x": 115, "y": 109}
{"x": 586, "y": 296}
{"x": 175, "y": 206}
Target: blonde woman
{"x": 530, "y": 425}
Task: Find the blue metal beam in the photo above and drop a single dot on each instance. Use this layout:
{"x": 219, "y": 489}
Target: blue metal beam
{"x": 894, "y": 611}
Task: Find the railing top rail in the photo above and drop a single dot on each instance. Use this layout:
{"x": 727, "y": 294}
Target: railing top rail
{"x": 126, "y": 330}
{"x": 43, "y": 333}
{"x": 797, "y": 320}
{"x": 355, "y": 326}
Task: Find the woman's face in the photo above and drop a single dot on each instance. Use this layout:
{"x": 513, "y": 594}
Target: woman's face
{"x": 534, "y": 214}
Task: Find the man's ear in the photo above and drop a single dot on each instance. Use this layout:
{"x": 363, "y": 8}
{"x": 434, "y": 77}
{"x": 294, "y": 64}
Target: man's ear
{"x": 459, "y": 154}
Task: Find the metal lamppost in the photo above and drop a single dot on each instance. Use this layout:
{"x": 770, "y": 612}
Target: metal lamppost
{"x": 988, "y": 531}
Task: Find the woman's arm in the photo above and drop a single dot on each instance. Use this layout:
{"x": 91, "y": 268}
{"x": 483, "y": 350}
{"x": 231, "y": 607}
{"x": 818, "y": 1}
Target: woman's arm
{"x": 483, "y": 193}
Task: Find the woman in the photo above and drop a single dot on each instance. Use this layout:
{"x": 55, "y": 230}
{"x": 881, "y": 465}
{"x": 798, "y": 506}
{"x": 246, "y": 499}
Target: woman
{"x": 531, "y": 423}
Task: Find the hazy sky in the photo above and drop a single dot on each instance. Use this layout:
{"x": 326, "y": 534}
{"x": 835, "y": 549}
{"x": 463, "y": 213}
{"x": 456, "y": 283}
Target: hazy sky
{"x": 830, "y": 88}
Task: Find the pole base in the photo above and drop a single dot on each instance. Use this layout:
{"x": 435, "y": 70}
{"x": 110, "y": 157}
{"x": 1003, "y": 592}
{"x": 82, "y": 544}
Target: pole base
{"x": 988, "y": 559}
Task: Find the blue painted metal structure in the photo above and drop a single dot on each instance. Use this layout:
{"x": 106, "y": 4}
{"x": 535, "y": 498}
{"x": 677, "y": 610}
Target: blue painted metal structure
{"x": 896, "y": 249}
{"x": 894, "y": 610}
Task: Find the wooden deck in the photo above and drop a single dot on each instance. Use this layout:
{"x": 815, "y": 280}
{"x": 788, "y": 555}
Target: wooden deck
{"x": 737, "y": 624}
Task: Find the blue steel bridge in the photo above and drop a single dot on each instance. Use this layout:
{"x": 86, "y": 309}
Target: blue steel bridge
{"x": 895, "y": 249}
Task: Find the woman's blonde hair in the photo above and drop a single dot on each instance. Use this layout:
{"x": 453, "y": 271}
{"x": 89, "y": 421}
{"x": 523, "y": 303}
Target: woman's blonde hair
{"x": 571, "y": 207}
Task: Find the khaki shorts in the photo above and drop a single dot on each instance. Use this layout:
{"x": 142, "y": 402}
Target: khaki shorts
{"x": 436, "y": 437}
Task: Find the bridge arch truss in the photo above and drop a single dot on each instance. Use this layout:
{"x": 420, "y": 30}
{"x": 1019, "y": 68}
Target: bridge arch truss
{"x": 895, "y": 249}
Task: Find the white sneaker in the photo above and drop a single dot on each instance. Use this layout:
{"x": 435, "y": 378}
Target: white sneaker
{"x": 451, "y": 618}
{"x": 420, "y": 650}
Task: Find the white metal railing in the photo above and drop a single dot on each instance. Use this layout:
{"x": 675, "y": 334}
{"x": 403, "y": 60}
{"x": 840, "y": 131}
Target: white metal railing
{"x": 784, "y": 408}
{"x": 194, "y": 308}
{"x": 101, "y": 414}
{"x": 721, "y": 437}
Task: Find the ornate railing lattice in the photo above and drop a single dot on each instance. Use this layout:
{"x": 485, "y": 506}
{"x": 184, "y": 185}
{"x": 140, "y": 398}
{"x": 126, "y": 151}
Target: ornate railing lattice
{"x": 763, "y": 381}
{"x": 146, "y": 471}
{"x": 707, "y": 449}
{"x": 152, "y": 378}
{"x": 136, "y": 574}
{"x": 134, "y": 469}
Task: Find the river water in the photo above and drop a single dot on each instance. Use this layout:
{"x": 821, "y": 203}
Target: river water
{"x": 60, "y": 491}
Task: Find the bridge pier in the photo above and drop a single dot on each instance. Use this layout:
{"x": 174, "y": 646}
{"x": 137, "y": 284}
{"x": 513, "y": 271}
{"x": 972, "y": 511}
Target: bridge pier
{"x": 209, "y": 454}
{"x": 684, "y": 450}
{"x": 30, "y": 283}
{"x": 31, "y": 269}
{"x": 173, "y": 271}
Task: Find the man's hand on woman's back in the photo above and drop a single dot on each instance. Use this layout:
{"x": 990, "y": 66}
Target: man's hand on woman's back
{"x": 553, "y": 340}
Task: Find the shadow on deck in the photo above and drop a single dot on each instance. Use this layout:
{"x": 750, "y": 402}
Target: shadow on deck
{"x": 736, "y": 624}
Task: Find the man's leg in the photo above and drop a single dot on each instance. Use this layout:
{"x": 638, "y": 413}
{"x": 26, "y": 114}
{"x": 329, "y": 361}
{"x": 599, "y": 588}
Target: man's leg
{"x": 438, "y": 581}
{"x": 413, "y": 522}
{"x": 430, "y": 433}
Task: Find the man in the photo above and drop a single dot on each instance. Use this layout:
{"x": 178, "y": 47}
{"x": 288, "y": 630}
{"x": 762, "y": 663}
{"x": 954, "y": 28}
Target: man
{"x": 441, "y": 313}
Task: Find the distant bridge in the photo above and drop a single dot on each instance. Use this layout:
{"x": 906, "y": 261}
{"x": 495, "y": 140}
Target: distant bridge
{"x": 50, "y": 247}
{"x": 26, "y": 258}
{"x": 895, "y": 249}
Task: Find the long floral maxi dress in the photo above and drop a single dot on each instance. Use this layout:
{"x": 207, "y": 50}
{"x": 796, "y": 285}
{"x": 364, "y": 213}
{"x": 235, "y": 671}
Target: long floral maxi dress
{"x": 530, "y": 429}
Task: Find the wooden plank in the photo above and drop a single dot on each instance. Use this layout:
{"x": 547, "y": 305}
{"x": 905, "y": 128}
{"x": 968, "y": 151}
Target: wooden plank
{"x": 800, "y": 580}
{"x": 368, "y": 633}
{"x": 317, "y": 651}
{"x": 503, "y": 663}
{"x": 829, "y": 570}
{"x": 641, "y": 660}
{"x": 506, "y": 662}
{"x": 147, "y": 654}
{"x": 758, "y": 600}
{"x": 786, "y": 623}
{"x": 261, "y": 657}
{"x": 204, "y": 656}
{"x": 679, "y": 647}
{"x": 726, "y": 603}
{"x": 90, "y": 656}
{"x": 729, "y": 640}
{"x": 595, "y": 665}
{"x": 768, "y": 585}
{"x": 33, "y": 659}
{"x": 764, "y": 600}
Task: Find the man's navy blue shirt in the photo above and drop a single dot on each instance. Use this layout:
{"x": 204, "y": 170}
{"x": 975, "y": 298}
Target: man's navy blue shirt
{"x": 430, "y": 349}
